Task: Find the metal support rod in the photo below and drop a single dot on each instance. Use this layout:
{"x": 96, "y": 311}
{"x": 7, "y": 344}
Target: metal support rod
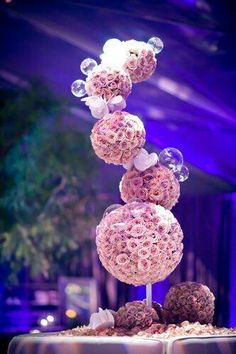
{"x": 149, "y": 295}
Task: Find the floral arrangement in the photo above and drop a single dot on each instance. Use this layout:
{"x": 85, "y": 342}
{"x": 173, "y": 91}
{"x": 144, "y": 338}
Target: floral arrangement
{"x": 135, "y": 57}
{"x": 135, "y": 314}
{"x": 122, "y": 62}
{"x": 156, "y": 184}
{"x": 108, "y": 82}
{"x": 189, "y": 301}
{"x": 139, "y": 243}
{"x": 118, "y": 137}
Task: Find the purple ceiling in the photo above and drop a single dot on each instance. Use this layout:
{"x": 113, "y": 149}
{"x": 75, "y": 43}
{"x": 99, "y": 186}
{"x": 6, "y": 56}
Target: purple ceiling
{"x": 190, "y": 101}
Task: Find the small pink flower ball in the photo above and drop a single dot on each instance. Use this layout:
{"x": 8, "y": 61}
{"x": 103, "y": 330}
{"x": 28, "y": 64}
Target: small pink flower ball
{"x": 141, "y": 61}
{"x": 108, "y": 82}
{"x": 135, "y": 314}
{"x": 157, "y": 184}
{"x": 118, "y": 137}
{"x": 139, "y": 243}
{"x": 189, "y": 301}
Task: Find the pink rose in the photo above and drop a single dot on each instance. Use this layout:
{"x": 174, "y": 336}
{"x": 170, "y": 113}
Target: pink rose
{"x": 132, "y": 63}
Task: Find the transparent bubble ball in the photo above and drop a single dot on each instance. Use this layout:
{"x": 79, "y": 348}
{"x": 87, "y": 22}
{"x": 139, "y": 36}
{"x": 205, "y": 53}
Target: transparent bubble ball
{"x": 156, "y": 44}
{"x": 78, "y": 88}
{"x": 182, "y": 174}
{"x": 87, "y": 66}
{"x": 111, "y": 208}
{"x": 171, "y": 158}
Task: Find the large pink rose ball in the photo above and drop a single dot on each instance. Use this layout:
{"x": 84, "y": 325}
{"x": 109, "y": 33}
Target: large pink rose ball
{"x": 189, "y": 301}
{"x": 135, "y": 314}
{"x": 118, "y": 137}
{"x": 139, "y": 243}
{"x": 157, "y": 184}
{"x": 140, "y": 62}
{"x": 108, "y": 82}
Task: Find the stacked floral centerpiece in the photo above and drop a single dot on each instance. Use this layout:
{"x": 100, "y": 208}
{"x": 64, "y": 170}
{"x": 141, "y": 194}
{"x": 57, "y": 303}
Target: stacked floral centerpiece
{"x": 139, "y": 242}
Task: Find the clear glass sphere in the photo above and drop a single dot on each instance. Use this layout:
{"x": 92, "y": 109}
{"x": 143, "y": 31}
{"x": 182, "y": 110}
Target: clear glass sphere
{"x": 111, "y": 208}
{"x": 171, "y": 158}
{"x": 182, "y": 174}
{"x": 87, "y": 66}
{"x": 156, "y": 44}
{"x": 78, "y": 88}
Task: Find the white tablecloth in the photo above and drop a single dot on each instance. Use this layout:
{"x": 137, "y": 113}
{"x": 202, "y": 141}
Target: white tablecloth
{"x": 52, "y": 344}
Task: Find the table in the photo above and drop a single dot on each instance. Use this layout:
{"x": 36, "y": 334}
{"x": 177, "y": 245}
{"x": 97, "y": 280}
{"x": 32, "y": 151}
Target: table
{"x": 50, "y": 343}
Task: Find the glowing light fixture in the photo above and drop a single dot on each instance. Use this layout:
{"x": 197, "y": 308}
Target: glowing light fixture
{"x": 50, "y": 318}
{"x": 71, "y": 313}
{"x": 43, "y": 322}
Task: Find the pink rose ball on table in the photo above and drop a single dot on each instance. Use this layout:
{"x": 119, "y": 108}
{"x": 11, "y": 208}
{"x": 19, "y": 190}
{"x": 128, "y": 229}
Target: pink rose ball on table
{"x": 135, "y": 314}
{"x": 189, "y": 301}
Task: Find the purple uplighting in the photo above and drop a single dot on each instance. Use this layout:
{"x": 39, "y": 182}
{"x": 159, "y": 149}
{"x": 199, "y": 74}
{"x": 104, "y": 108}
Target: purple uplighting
{"x": 54, "y": 189}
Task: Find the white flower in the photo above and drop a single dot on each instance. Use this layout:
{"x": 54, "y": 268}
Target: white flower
{"x": 97, "y": 106}
{"x": 102, "y": 319}
{"x": 114, "y": 54}
{"x": 144, "y": 160}
{"x": 133, "y": 46}
{"x": 116, "y": 104}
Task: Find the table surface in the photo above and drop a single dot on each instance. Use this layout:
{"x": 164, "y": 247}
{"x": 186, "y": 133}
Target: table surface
{"x": 50, "y": 343}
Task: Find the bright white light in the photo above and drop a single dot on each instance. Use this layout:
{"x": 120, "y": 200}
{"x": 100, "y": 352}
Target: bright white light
{"x": 43, "y": 322}
{"x": 35, "y": 331}
{"x": 50, "y": 318}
